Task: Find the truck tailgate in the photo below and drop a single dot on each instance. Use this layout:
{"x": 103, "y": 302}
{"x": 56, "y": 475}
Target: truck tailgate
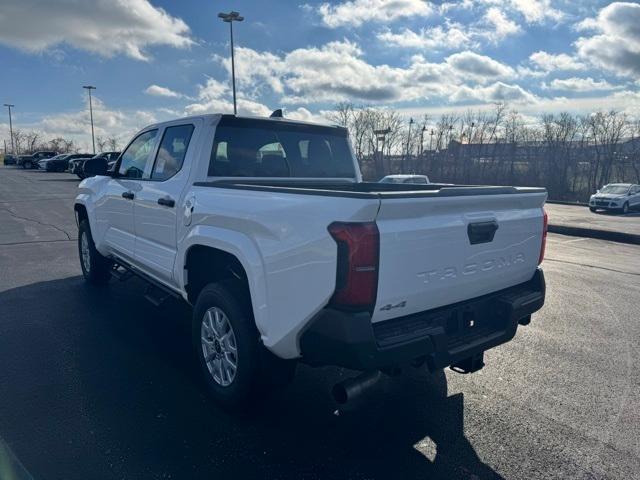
{"x": 435, "y": 251}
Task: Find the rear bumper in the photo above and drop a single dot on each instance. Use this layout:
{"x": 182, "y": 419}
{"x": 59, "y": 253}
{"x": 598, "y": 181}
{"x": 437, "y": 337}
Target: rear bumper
{"x": 441, "y": 337}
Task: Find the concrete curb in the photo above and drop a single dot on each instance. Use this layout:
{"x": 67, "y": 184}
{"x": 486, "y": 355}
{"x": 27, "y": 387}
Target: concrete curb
{"x": 575, "y": 204}
{"x": 620, "y": 237}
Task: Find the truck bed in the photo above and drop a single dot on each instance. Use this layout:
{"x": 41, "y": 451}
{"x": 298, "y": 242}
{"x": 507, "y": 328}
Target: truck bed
{"x": 366, "y": 189}
{"x": 429, "y": 255}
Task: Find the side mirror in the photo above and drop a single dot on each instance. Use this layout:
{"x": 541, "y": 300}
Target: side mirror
{"x": 94, "y": 166}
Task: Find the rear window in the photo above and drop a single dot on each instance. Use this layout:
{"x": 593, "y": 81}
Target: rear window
{"x": 268, "y": 148}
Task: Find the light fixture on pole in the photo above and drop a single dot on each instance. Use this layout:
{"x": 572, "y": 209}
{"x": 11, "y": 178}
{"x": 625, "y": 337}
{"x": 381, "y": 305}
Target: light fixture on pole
{"x": 10, "y": 106}
{"x": 230, "y": 18}
{"x": 93, "y": 141}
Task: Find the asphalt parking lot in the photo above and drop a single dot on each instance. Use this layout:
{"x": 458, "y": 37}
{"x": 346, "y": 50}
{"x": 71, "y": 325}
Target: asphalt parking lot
{"x": 606, "y": 225}
{"x": 98, "y": 383}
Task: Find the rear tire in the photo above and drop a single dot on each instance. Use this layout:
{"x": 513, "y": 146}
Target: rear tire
{"x": 27, "y": 164}
{"x": 592, "y": 210}
{"x": 227, "y": 346}
{"x": 96, "y": 269}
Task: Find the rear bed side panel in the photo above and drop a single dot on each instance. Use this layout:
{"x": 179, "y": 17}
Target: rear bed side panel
{"x": 426, "y": 257}
{"x": 298, "y": 256}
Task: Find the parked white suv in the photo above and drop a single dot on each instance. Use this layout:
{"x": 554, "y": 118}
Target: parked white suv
{"x": 620, "y": 197}
{"x": 266, "y": 228}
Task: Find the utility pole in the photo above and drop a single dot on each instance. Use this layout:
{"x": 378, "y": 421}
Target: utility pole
{"x": 431, "y": 140}
{"x": 424, "y": 127}
{"x": 381, "y": 136}
{"x": 93, "y": 141}
{"x": 230, "y": 18}
{"x": 10, "y": 106}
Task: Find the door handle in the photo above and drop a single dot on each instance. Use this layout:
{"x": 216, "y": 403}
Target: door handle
{"x": 128, "y": 195}
{"x": 167, "y": 202}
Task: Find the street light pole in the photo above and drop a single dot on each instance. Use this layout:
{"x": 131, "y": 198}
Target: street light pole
{"x": 9, "y": 106}
{"x": 93, "y": 141}
{"x": 230, "y": 18}
{"x": 407, "y": 151}
{"x": 381, "y": 135}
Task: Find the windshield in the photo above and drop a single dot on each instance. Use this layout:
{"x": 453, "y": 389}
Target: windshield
{"x": 267, "y": 148}
{"x": 615, "y": 189}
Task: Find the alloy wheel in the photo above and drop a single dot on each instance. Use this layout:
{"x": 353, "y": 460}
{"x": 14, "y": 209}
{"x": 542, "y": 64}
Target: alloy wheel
{"x": 219, "y": 346}
{"x": 85, "y": 253}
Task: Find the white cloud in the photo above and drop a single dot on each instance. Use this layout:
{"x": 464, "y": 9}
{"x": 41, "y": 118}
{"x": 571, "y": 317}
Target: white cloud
{"x": 216, "y": 97}
{"x": 502, "y": 26}
{"x": 357, "y": 12}
{"x": 497, "y": 92}
{"x": 435, "y": 38}
{"x": 158, "y": 91}
{"x": 493, "y": 26}
{"x": 453, "y": 36}
{"x": 337, "y": 71}
{"x": 251, "y": 64}
{"x": 536, "y": 11}
{"x": 479, "y": 66}
{"x": 104, "y": 27}
{"x": 616, "y": 44}
{"x": 579, "y": 85}
{"x": 550, "y": 62}
{"x": 75, "y": 125}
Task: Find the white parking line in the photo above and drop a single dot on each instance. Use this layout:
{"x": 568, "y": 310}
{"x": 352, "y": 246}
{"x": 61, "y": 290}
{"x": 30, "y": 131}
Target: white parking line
{"x": 10, "y": 466}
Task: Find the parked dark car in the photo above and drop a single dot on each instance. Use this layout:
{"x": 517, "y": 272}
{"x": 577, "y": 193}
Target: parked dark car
{"x": 61, "y": 164}
{"x": 10, "y": 159}
{"x": 76, "y": 165}
{"x": 31, "y": 161}
{"x": 42, "y": 164}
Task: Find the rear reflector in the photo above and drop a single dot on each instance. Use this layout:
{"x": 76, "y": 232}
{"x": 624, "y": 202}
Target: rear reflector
{"x": 543, "y": 246}
{"x": 357, "y": 271}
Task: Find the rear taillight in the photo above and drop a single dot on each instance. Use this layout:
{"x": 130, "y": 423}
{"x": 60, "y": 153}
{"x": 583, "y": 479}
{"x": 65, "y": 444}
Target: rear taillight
{"x": 357, "y": 272}
{"x": 544, "y": 237}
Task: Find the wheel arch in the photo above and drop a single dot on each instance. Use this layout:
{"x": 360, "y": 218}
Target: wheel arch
{"x": 81, "y": 213}
{"x": 210, "y": 254}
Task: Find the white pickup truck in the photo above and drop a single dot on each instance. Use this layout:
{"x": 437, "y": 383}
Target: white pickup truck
{"x": 265, "y": 226}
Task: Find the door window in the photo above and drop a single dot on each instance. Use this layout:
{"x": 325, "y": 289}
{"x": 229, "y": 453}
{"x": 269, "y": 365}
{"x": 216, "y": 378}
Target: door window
{"x": 172, "y": 151}
{"x": 136, "y": 156}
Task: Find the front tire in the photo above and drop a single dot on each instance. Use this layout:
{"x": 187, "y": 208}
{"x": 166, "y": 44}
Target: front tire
{"x": 227, "y": 345}
{"x": 96, "y": 269}
{"x": 27, "y": 164}
{"x": 625, "y": 208}
{"x": 592, "y": 209}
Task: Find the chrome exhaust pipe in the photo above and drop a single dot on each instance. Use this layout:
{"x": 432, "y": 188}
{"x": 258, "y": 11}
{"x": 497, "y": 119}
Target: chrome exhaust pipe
{"x": 352, "y": 388}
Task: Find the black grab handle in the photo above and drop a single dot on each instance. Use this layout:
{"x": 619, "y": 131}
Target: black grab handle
{"x": 482, "y": 232}
{"x": 167, "y": 202}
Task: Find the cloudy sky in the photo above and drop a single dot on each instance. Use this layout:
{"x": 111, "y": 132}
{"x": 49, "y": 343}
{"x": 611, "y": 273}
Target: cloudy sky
{"x": 154, "y": 60}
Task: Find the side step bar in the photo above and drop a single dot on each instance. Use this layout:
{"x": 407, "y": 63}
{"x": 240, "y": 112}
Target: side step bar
{"x": 155, "y": 292}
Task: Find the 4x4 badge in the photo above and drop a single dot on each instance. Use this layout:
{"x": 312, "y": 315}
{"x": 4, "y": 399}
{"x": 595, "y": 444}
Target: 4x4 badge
{"x": 389, "y": 306}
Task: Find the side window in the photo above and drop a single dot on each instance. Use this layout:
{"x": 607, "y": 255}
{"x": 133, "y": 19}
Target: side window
{"x": 136, "y": 156}
{"x": 172, "y": 151}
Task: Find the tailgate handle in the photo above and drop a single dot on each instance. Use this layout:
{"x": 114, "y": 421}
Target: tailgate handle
{"x": 482, "y": 232}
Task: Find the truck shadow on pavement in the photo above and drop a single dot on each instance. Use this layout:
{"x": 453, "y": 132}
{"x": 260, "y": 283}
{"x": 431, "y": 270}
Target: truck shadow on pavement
{"x": 105, "y": 384}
